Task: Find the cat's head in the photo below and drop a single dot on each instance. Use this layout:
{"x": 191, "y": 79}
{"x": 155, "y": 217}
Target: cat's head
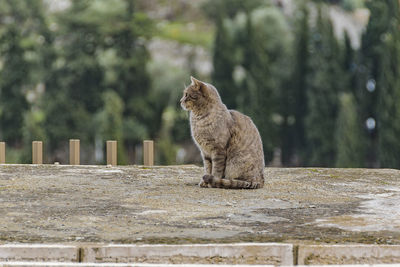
{"x": 199, "y": 95}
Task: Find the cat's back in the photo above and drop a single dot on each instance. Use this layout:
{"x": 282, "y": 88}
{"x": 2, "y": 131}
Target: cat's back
{"x": 245, "y": 136}
{"x": 245, "y": 157}
{"x": 243, "y": 124}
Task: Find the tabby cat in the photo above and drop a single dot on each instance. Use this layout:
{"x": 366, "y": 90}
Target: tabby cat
{"x": 229, "y": 141}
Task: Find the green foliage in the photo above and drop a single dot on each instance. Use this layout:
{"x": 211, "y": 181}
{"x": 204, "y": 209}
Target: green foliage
{"x": 389, "y": 95}
{"x": 350, "y": 145}
{"x": 184, "y": 33}
{"x": 224, "y": 62}
{"x": 109, "y": 122}
{"x": 351, "y": 5}
{"x": 267, "y": 40}
{"x": 216, "y": 9}
{"x": 12, "y": 84}
{"x": 322, "y": 94}
{"x": 100, "y": 48}
{"x": 33, "y": 130}
{"x": 369, "y": 68}
{"x": 301, "y": 71}
{"x": 84, "y": 71}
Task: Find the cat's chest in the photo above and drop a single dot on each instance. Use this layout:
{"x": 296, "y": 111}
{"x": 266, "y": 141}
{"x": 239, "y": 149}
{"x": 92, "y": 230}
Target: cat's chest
{"x": 209, "y": 133}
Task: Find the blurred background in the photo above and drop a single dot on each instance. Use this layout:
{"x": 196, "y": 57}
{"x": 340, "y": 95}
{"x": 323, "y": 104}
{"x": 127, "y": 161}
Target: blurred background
{"x": 320, "y": 79}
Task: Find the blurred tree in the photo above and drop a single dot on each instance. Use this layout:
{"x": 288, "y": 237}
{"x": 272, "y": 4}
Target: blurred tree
{"x": 369, "y": 70}
{"x": 217, "y": 9}
{"x": 224, "y": 62}
{"x": 15, "y": 48}
{"x": 389, "y": 95}
{"x": 252, "y": 47}
{"x": 109, "y": 122}
{"x": 300, "y": 74}
{"x": 166, "y": 147}
{"x": 226, "y": 43}
{"x": 26, "y": 56}
{"x": 101, "y": 45}
{"x": 322, "y": 93}
{"x": 349, "y": 141}
{"x": 174, "y": 127}
{"x": 125, "y": 31}
{"x": 349, "y": 65}
{"x": 351, "y": 5}
{"x": 76, "y": 84}
{"x": 33, "y": 130}
{"x": 13, "y": 84}
{"x": 264, "y": 57}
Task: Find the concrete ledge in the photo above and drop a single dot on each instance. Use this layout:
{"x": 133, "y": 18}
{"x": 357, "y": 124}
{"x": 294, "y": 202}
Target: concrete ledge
{"x": 265, "y": 254}
{"x": 38, "y": 252}
{"x": 348, "y": 254}
{"x": 57, "y": 264}
{"x": 242, "y": 253}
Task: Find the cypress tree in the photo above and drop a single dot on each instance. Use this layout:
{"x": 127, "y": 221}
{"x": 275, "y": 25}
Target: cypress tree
{"x": 109, "y": 121}
{"x": 389, "y": 95}
{"x": 264, "y": 61}
{"x": 299, "y": 76}
{"x": 13, "y": 75}
{"x": 322, "y": 93}
{"x": 224, "y": 62}
{"x": 350, "y": 147}
{"x": 369, "y": 69}
{"x": 226, "y": 46}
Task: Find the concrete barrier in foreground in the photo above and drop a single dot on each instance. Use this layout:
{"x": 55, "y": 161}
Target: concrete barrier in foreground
{"x": 242, "y": 253}
{"x": 266, "y": 254}
{"x": 38, "y": 253}
{"x": 58, "y": 264}
{"x": 348, "y": 254}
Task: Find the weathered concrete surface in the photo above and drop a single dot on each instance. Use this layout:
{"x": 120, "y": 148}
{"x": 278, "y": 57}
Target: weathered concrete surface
{"x": 241, "y": 253}
{"x": 85, "y": 204}
{"x": 39, "y": 252}
{"x": 57, "y": 264}
{"x": 348, "y": 254}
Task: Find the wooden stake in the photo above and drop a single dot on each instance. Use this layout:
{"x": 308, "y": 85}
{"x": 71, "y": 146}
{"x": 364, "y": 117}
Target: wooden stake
{"x": 37, "y": 152}
{"x": 74, "y": 152}
{"x": 112, "y": 153}
{"x": 2, "y": 152}
{"x": 148, "y": 153}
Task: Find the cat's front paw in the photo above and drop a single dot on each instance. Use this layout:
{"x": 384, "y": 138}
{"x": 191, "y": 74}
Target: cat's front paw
{"x": 203, "y": 184}
{"x": 208, "y": 178}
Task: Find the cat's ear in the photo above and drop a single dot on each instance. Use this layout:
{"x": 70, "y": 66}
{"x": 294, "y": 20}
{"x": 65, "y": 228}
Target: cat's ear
{"x": 199, "y": 85}
{"x": 196, "y": 82}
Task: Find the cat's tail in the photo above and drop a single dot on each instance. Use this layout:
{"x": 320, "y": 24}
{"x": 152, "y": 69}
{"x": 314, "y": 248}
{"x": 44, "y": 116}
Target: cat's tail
{"x": 231, "y": 184}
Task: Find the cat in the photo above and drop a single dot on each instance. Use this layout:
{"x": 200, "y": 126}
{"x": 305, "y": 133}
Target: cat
{"x": 229, "y": 142}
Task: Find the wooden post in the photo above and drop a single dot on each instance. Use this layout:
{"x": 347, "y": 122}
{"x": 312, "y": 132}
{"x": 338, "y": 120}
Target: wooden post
{"x": 148, "y": 153}
{"x": 74, "y": 152}
{"x": 37, "y": 152}
{"x": 112, "y": 153}
{"x": 2, "y": 152}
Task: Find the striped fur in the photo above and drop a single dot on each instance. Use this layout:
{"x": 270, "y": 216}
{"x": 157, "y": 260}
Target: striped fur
{"x": 229, "y": 142}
